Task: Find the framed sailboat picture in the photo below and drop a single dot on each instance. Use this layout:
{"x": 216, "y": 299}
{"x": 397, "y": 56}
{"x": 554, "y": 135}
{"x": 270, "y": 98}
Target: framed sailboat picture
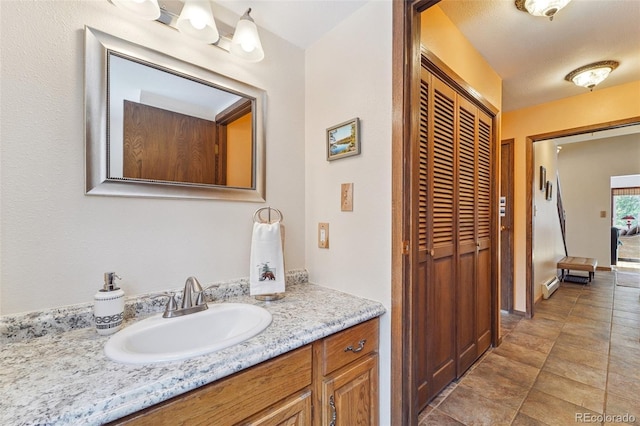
{"x": 343, "y": 140}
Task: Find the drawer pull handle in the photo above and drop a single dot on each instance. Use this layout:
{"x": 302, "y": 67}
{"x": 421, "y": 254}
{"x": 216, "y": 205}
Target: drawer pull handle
{"x": 334, "y": 413}
{"x": 358, "y": 349}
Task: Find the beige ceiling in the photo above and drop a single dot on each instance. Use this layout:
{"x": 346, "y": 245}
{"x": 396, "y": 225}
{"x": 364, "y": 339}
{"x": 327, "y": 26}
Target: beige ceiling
{"x": 531, "y": 54}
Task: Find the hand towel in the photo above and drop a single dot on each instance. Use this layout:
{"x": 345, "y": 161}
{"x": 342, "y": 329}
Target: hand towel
{"x": 266, "y": 274}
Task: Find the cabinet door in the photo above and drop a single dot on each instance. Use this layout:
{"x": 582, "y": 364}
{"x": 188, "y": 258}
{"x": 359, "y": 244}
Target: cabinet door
{"x": 350, "y": 396}
{"x": 294, "y": 411}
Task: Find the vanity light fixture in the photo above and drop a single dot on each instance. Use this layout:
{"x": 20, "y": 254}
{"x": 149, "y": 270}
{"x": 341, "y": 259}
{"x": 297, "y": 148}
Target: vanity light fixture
{"x": 591, "y": 75}
{"x": 246, "y": 41}
{"x": 194, "y": 18}
{"x": 546, "y": 8}
{"x": 144, "y": 9}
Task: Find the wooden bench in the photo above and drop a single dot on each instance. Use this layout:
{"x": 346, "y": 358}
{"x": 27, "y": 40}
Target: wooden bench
{"x": 577, "y": 264}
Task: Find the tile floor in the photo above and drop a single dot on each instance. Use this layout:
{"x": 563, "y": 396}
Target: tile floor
{"x": 575, "y": 361}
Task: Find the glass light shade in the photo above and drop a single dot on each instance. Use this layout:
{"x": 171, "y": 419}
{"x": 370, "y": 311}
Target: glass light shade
{"x": 246, "y": 41}
{"x": 591, "y": 75}
{"x": 144, "y": 9}
{"x": 546, "y": 8}
{"x": 591, "y": 78}
{"x": 196, "y": 20}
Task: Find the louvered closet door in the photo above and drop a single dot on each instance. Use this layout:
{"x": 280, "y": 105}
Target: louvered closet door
{"x": 436, "y": 252}
{"x": 421, "y": 321}
{"x": 467, "y": 349}
{"x": 483, "y": 291}
{"x": 473, "y": 275}
{"x": 452, "y": 301}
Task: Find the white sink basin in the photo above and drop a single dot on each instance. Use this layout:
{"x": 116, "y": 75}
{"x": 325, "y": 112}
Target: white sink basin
{"x": 158, "y": 339}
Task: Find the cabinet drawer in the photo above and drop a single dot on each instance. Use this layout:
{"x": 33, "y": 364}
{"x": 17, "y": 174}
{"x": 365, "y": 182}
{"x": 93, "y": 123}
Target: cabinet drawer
{"x": 234, "y": 398}
{"x": 349, "y": 345}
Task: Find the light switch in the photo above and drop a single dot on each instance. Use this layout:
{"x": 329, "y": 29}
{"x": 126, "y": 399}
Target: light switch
{"x": 603, "y": 213}
{"x": 346, "y": 197}
{"x": 323, "y": 235}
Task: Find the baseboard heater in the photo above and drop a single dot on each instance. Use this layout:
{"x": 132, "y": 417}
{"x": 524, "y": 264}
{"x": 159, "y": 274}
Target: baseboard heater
{"x": 549, "y": 287}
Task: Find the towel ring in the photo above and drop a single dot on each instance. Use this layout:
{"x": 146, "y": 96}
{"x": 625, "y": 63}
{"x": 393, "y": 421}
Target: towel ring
{"x": 257, "y": 216}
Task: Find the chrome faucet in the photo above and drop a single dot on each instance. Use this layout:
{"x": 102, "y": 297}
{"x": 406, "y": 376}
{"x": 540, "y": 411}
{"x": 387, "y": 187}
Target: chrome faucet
{"x": 192, "y": 300}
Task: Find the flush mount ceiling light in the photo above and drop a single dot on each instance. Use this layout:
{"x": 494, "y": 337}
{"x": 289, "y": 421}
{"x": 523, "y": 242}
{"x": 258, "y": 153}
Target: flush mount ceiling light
{"x": 194, "y": 18}
{"x": 591, "y": 75}
{"x": 546, "y": 8}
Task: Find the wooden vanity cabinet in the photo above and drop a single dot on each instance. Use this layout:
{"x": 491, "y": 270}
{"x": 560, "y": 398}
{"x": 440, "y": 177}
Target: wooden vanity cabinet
{"x": 331, "y": 382}
{"x": 274, "y": 392}
{"x": 346, "y": 377}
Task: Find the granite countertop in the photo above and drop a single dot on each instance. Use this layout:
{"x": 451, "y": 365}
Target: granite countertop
{"x": 65, "y": 378}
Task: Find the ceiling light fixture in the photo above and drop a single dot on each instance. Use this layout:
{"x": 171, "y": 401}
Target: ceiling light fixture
{"x": 591, "y": 75}
{"x": 546, "y": 8}
{"x": 194, "y": 18}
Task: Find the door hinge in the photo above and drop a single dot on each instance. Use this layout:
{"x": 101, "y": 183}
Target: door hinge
{"x": 405, "y": 248}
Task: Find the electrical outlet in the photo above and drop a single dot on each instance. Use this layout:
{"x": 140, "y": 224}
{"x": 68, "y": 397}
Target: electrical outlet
{"x": 323, "y": 235}
{"x": 346, "y": 197}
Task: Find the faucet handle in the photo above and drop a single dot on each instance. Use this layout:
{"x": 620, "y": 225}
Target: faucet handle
{"x": 200, "y": 299}
{"x": 171, "y": 306}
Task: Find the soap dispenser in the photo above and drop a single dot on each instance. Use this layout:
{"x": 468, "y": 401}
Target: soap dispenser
{"x": 108, "y": 308}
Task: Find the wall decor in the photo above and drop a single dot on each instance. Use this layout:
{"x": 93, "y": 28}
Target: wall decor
{"x": 543, "y": 178}
{"x": 343, "y": 140}
{"x": 549, "y": 190}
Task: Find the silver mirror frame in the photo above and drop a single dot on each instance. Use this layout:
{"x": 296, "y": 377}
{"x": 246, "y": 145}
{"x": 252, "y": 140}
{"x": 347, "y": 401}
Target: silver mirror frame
{"x": 97, "y": 182}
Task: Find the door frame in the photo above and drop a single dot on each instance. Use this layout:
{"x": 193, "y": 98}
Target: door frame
{"x": 406, "y": 67}
{"x": 530, "y": 183}
{"x": 509, "y": 226}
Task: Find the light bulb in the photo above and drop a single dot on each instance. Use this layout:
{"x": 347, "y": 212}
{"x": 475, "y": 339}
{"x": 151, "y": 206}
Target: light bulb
{"x": 198, "y": 22}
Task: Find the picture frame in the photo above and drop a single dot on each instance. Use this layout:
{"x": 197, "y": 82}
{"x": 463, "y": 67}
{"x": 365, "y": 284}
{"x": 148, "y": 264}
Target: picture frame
{"x": 549, "y": 191}
{"x": 343, "y": 140}
{"x": 543, "y": 178}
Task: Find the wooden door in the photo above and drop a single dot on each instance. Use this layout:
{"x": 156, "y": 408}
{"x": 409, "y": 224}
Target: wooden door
{"x": 436, "y": 344}
{"x": 506, "y": 228}
{"x": 473, "y": 210}
{"x": 467, "y": 214}
{"x": 453, "y": 304}
{"x": 167, "y": 146}
{"x": 484, "y": 292}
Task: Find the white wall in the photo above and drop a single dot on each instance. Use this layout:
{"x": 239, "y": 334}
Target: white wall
{"x": 585, "y": 171}
{"x": 57, "y": 242}
{"x": 547, "y": 236}
{"x": 348, "y": 74}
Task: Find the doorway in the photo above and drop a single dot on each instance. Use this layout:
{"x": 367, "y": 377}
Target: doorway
{"x": 407, "y": 56}
{"x": 531, "y": 179}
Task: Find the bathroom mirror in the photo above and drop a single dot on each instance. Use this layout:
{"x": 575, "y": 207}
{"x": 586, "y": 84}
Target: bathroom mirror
{"x": 156, "y": 126}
